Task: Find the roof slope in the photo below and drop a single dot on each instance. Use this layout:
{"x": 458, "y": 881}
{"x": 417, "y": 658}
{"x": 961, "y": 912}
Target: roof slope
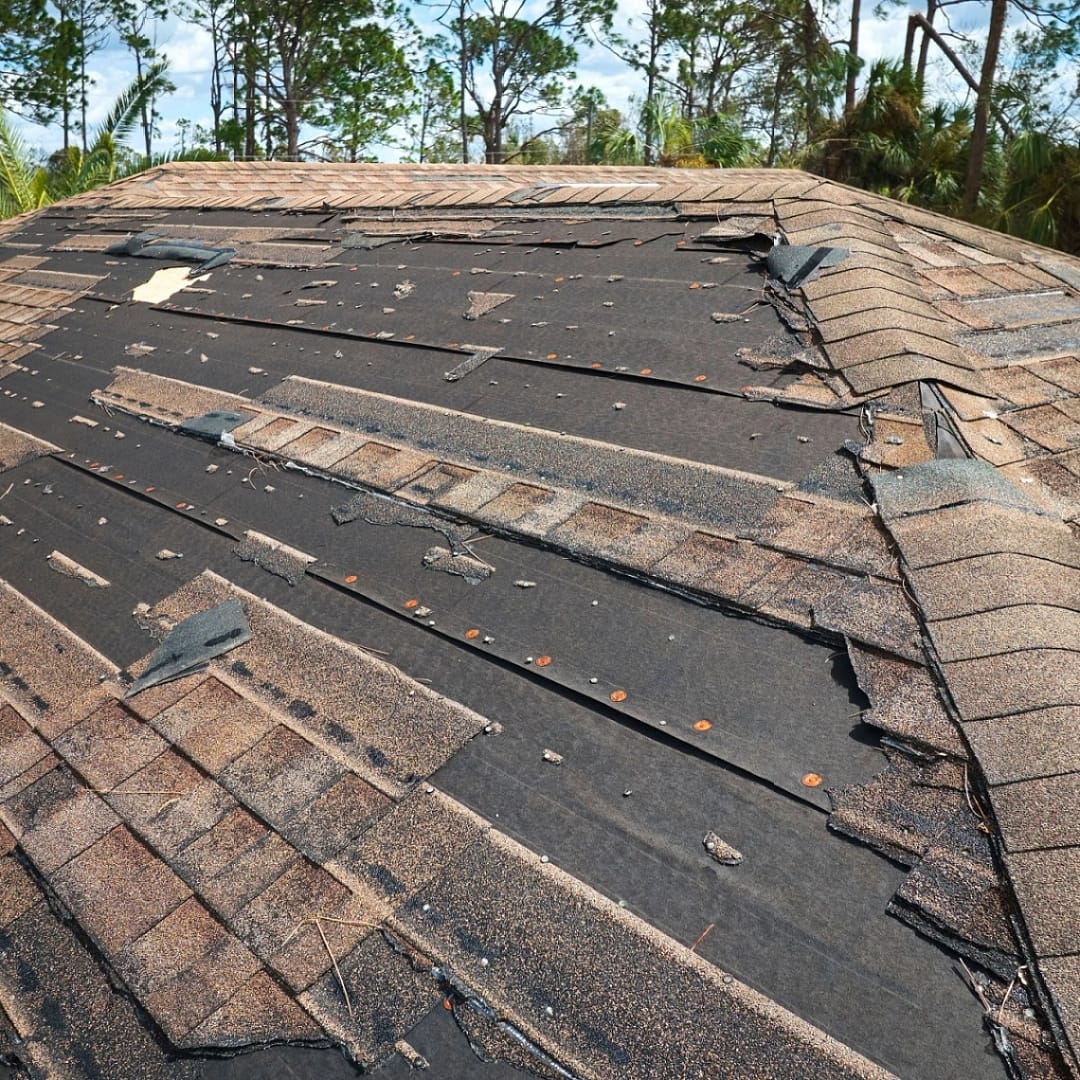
{"x": 552, "y": 430}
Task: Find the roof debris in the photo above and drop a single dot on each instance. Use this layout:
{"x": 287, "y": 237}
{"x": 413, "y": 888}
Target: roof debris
{"x": 191, "y": 644}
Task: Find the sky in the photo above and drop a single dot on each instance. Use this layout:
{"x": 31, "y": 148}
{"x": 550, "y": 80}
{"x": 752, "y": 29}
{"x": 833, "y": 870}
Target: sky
{"x": 188, "y": 50}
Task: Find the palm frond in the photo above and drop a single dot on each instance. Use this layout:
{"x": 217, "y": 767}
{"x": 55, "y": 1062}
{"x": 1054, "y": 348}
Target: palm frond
{"x": 20, "y": 188}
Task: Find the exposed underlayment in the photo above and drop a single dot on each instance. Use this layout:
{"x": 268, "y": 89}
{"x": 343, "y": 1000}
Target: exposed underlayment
{"x": 628, "y": 425}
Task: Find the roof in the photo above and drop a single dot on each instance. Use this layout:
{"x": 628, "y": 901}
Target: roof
{"x": 457, "y": 614}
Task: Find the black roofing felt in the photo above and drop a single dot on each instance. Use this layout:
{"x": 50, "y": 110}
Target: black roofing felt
{"x": 802, "y": 918}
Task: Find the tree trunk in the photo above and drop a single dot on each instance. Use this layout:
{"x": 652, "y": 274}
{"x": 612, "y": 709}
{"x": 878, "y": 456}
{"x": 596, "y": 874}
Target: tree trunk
{"x": 853, "y": 59}
{"x": 924, "y": 47}
{"x": 463, "y": 62}
{"x": 980, "y": 130}
{"x": 809, "y": 22}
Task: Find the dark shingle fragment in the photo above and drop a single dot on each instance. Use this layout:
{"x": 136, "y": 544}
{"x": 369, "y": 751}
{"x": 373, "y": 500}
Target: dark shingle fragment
{"x": 193, "y": 642}
{"x": 903, "y": 810}
{"x": 955, "y": 895}
{"x": 522, "y": 933}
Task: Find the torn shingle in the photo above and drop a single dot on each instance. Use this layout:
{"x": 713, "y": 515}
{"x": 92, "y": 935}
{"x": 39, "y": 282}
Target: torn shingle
{"x": 192, "y": 643}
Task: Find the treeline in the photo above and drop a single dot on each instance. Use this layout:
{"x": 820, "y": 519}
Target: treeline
{"x": 719, "y": 82}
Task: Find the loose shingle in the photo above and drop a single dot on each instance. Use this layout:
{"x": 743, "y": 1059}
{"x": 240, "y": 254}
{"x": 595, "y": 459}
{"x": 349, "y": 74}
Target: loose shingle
{"x": 937, "y": 485}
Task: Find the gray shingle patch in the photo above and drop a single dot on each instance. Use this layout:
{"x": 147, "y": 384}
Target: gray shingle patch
{"x": 934, "y": 485}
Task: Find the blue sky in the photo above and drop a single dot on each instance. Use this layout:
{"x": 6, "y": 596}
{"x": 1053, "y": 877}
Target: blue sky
{"x": 188, "y": 50}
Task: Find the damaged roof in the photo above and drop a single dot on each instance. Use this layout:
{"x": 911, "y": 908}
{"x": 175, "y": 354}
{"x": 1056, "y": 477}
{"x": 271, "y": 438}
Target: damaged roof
{"x": 460, "y": 617}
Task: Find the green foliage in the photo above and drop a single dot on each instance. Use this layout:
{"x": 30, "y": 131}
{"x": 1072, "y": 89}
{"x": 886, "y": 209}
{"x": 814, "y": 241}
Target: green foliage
{"x": 27, "y": 186}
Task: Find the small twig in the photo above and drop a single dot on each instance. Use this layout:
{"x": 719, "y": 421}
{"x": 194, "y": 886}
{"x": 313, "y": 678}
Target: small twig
{"x": 976, "y": 989}
{"x": 704, "y": 934}
{"x": 374, "y": 652}
{"x": 1005, "y": 999}
{"x": 973, "y": 803}
{"x": 337, "y": 970}
{"x": 477, "y": 539}
{"x": 116, "y": 791}
{"x": 7, "y": 491}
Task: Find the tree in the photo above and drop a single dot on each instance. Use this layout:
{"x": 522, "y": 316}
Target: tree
{"x": 39, "y": 54}
{"x": 304, "y": 57}
{"x": 135, "y": 21}
{"x": 371, "y": 93}
{"x": 514, "y": 64}
{"x": 435, "y": 114}
{"x": 25, "y": 185}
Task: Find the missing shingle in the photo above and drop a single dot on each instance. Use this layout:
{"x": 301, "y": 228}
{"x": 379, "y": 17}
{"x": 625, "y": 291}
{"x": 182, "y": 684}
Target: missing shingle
{"x": 377, "y": 510}
{"x": 273, "y": 556}
{"x": 69, "y": 568}
{"x": 480, "y": 303}
{"x": 193, "y": 643}
{"x": 473, "y": 570}
{"x": 480, "y": 356}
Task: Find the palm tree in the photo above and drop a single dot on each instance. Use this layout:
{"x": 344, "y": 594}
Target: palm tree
{"x": 26, "y": 186}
